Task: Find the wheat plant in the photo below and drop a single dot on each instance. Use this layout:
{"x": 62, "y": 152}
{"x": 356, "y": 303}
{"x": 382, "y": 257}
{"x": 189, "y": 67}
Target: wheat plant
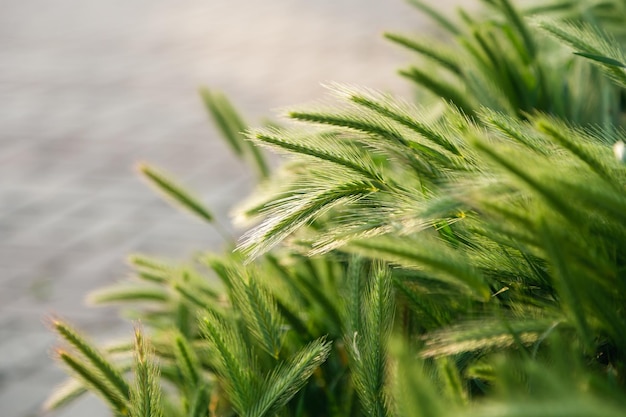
{"x": 464, "y": 256}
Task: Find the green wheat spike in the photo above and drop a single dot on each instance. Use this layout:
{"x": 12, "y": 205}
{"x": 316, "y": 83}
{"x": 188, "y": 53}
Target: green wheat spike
{"x": 487, "y": 334}
{"x": 65, "y": 393}
{"x": 611, "y": 62}
{"x": 515, "y": 168}
{"x": 95, "y": 379}
{"x": 200, "y": 402}
{"x": 404, "y": 119}
{"x": 95, "y": 358}
{"x": 257, "y": 156}
{"x": 436, "y": 16}
{"x": 367, "y": 343}
{"x": 175, "y": 192}
{"x": 592, "y": 43}
{"x": 416, "y": 389}
{"x": 155, "y": 277}
{"x": 516, "y": 20}
{"x": 446, "y": 91}
{"x": 353, "y": 299}
{"x": 448, "y": 265}
{"x": 186, "y": 360}
{"x": 566, "y": 138}
{"x": 453, "y": 384}
{"x": 276, "y": 228}
{"x": 233, "y": 359}
{"x": 145, "y": 398}
{"x": 150, "y": 263}
{"x": 128, "y": 293}
{"x": 307, "y": 148}
{"x": 192, "y": 295}
{"x": 355, "y": 122}
{"x": 230, "y": 128}
{"x": 514, "y": 129}
{"x": 286, "y": 379}
{"x": 260, "y": 313}
{"x": 436, "y": 53}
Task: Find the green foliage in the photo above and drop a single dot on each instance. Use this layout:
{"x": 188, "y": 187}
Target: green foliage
{"x": 499, "y": 61}
{"x": 461, "y": 258}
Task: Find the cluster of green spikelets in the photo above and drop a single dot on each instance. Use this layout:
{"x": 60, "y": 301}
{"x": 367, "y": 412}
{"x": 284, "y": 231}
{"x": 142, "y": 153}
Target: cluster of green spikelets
{"x": 468, "y": 259}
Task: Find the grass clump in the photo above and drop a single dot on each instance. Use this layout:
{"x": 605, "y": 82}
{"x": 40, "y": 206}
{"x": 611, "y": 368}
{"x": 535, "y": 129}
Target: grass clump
{"x": 463, "y": 258}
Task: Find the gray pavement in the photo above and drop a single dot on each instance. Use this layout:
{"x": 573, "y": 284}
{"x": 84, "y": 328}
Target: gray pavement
{"x": 88, "y": 88}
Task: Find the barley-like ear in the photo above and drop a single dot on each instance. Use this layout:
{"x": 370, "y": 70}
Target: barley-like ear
{"x": 366, "y": 343}
{"x": 286, "y": 379}
{"x": 235, "y": 365}
{"x": 93, "y": 360}
{"x": 233, "y": 128}
{"x": 145, "y": 395}
{"x": 259, "y": 311}
{"x": 65, "y": 393}
{"x": 187, "y": 361}
{"x": 94, "y": 378}
{"x": 174, "y": 191}
{"x": 592, "y": 43}
{"x": 437, "y": 16}
{"x": 181, "y": 196}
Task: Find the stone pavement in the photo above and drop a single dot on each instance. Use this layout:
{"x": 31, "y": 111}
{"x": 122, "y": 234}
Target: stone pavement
{"x": 90, "y": 87}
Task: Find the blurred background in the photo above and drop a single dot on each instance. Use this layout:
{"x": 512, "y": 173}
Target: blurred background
{"x": 88, "y": 88}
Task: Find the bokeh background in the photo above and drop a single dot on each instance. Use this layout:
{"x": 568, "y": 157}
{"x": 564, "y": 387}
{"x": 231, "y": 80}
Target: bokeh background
{"x": 88, "y": 88}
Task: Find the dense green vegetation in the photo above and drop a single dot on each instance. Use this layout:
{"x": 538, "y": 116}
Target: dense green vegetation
{"x": 464, "y": 257}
